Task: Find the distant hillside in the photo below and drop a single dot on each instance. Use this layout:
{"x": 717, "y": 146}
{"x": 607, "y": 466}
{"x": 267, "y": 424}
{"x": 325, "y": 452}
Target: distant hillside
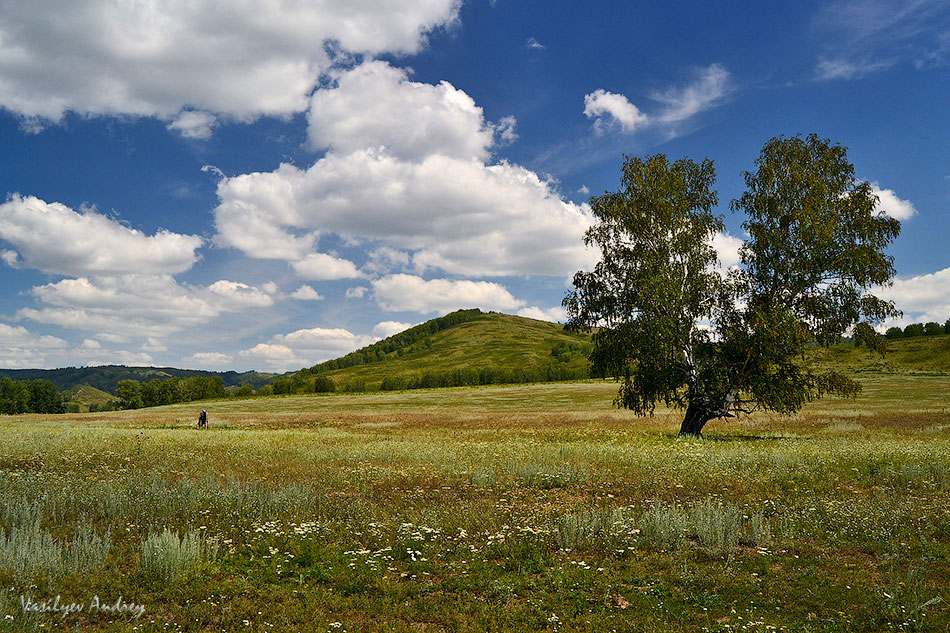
{"x": 86, "y": 395}
{"x": 82, "y": 398}
{"x": 106, "y": 377}
{"x": 492, "y": 345}
{"x": 475, "y": 342}
{"x": 921, "y": 354}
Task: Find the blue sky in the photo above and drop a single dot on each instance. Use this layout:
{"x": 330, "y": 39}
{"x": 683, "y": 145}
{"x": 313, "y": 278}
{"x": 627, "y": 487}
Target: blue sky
{"x": 273, "y": 184}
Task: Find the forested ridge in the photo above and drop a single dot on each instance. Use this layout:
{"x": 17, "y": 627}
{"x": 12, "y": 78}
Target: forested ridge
{"x": 107, "y": 377}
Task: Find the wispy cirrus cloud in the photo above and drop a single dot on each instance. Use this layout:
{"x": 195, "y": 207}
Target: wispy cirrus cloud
{"x": 608, "y": 110}
{"x": 711, "y": 85}
{"x": 534, "y": 44}
{"x": 830, "y": 69}
{"x": 861, "y": 37}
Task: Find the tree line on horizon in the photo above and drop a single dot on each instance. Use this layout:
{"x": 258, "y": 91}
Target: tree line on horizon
{"x": 931, "y": 328}
{"x": 30, "y": 396}
{"x": 42, "y": 396}
{"x": 133, "y": 394}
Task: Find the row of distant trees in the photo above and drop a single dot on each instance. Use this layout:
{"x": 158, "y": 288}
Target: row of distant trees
{"x": 918, "y": 329}
{"x": 552, "y": 372}
{"x": 29, "y": 396}
{"x": 133, "y": 394}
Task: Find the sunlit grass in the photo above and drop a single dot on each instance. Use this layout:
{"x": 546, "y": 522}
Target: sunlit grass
{"x": 520, "y": 508}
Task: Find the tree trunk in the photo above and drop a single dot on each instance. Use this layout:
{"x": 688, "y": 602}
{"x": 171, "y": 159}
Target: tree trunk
{"x": 694, "y": 421}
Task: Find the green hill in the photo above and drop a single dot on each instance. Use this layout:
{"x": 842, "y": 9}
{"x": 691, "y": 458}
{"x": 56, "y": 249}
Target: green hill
{"x": 80, "y": 397}
{"x": 918, "y": 354}
{"x": 481, "y": 348}
{"x": 464, "y": 347}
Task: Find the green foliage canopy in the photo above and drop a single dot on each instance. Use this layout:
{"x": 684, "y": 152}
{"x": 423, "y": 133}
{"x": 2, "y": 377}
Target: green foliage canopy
{"x": 14, "y": 396}
{"x": 34, "y": 396}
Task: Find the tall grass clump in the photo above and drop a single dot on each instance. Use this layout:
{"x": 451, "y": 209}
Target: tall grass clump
{"x": 169, "y": 557}
{"x": 28, "y": 551}
{"x": 21, "y": 512}
{"x": 87, "y": 551}
{"x": 716, "y": 526}
{"x": 760, "y": 531}
{"x": 663, "y": 527}
{"x": 591, "y": 528}
{"x": 482, "y": 477}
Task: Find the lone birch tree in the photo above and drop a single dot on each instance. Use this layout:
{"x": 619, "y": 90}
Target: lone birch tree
{"x": 675, "y": 331}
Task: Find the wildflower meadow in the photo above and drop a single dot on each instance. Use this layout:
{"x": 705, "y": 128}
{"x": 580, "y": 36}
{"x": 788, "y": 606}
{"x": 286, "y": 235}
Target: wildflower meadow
{"x": 520, "y": 508}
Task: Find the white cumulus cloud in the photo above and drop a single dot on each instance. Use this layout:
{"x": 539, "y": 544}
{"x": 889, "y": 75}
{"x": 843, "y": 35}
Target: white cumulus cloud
{"x": 409, "y": 293}
{"x": 504, "y": 130}
{"x": 375, "y": 104}
{"x": 93, "y": 358}
{"x": 53, "y": 238}
{"x": 727, "y": 249}
{"x": 922, "y": 298}
{"x": 607, "y": 108}
{"x": 22, "y": 349}
{"x": 207, "y": 360}
{"x": 241, "y": 60}
{"x": 306, "y": 293}
{"x": 323, "y": 267}
{"x": 272, "y": 354}
{"x": 554, "y": 315}
{"x": 138, "y": 305}
{"x": 234, "y": 295}
{"x": 893, "y": 205}
{"x": 386, "y": 259}
{"x": 196, "y": 125}
{"x": 406, "y": 171}
{"x": 306, "y": 347}
{"x": 385, "y": 329}
{"x": 461, "y": 216}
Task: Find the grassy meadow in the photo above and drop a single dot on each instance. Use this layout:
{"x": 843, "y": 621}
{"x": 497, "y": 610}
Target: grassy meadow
{"x": 525, "y": 508}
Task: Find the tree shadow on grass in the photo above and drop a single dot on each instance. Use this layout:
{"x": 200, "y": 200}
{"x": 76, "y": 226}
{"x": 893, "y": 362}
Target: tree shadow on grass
{"x": 747, "y": 437}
